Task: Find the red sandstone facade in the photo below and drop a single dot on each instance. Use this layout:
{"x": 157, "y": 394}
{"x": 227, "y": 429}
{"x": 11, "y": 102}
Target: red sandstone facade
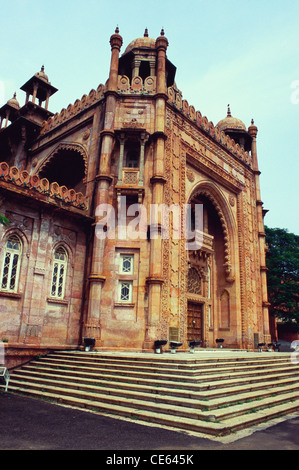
{"x": 134, "y": 137}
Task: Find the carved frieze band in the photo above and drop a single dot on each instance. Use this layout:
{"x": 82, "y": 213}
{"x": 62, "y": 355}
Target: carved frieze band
{"x": 74, "y": 109}
{"x": 175, "y": 99}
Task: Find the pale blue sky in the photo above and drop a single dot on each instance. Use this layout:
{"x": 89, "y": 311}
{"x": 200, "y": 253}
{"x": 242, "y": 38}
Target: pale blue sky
{"x": 241, "y": 52}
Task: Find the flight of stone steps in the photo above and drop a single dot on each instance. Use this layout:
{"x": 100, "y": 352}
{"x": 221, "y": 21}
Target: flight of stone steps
{"x": 212, "y": 394}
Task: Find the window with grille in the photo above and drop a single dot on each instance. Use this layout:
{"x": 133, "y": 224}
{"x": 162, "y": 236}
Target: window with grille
{"x": 125, "y": 286}
{"x": 126, "y": 264}
{"x": 125, "y": 291}
{"x": 194, "y": 281}
{"x": 11, "y": 264}
{"x": 59, "y": 273}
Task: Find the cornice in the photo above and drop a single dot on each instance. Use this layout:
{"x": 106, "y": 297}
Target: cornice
{"x": 207, "y": 166}
{"x": 73, "y": 110}
{"x": 214, "y": 135}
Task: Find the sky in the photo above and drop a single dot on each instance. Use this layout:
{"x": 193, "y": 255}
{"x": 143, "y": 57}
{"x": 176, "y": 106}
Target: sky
{"x": 239, "y": 52}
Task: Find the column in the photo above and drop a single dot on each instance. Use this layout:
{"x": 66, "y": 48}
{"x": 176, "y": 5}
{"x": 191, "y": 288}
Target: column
{"x": 135, "y": 67}
{"x": 35, "y": 87}
{"x": 155, "y": 279}
{"x": 261, "y": 234}
{"x": 47, "y": 100}
{"x": 143, "y": 140}
{"x": 152, "y": 67}
{"x": 103, "y": 181}
{"x": 6, "y": 118}
{"x": 121, "y": 158}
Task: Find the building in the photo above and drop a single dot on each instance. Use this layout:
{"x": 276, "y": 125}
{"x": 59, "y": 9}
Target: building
{"x": 66, "y": 274}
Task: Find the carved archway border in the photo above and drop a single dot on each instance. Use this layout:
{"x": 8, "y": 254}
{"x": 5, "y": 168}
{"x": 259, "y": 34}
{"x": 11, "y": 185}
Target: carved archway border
{"x": 64, "y": 146}
{"x": 210, "y": 191}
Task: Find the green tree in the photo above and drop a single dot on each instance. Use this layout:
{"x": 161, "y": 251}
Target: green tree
{"x": 283, "y": 274}
{"x": 3, "y": 220}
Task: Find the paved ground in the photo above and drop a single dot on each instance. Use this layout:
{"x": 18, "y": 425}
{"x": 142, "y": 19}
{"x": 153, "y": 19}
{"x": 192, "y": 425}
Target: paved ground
{"x": 31, "y": 424}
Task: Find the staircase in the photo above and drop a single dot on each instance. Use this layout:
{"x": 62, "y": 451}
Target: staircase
{"x": 209, "y": 393}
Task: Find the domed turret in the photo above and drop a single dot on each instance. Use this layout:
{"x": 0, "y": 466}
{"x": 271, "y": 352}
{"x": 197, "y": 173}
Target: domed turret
{"x": 140, "y": 57}
{"x": 236, "y": 129}
{"x": 9, "y": 112}
{"x": 14, "y": 102}
{"x": 39, "y": 88}
{"x": 141, "y": 43}
{"x": 42, "y": 74}
{"x": 231, "y": 123}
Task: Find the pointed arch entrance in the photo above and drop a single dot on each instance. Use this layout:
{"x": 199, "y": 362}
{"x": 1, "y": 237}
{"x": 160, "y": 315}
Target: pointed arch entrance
{"x": 215, "y": 301}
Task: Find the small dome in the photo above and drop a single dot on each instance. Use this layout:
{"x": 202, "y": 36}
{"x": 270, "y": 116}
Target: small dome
{"x": 42, "y": 74}
{"x": 145, "y": 42}
{"x": 14, "y": 102}
{"x": 231, "y": 123}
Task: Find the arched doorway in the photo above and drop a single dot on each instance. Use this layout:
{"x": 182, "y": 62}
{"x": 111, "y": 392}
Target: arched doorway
{"x": 211, "y": 308}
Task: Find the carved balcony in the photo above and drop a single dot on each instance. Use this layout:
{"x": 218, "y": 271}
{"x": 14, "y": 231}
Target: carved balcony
{"x": 204, "y": 243}
{"x": 130, "y": 184}
{"x": 130, "y": 176}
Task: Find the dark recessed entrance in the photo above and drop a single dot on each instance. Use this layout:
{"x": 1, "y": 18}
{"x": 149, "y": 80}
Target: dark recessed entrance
{"x": 195, "y": 321}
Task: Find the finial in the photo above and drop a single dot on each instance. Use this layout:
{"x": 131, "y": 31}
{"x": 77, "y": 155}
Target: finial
{"x": 116, "y": 40}
{"x": 162, "y": 32}
{"x": 43, "y": 68}
{"x": 228, "y": 111}
{"x": 146, "y": 33}
{"x": 15, "y": 95}
{"x": 252, "y": 122}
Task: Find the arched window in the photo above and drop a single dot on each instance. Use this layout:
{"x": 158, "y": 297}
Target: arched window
{"x": 209, "y": 282}
{"x": 194, "y": 281}
{"x": 225, "y": 310}
{"x": 66, "y": 167}
{"x": 11, "y": 264}
{"x": 59, "y": 273}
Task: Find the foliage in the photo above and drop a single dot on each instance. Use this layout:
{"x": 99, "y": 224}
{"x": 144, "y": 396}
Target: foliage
{"x": 283, "y": 274}
{"x": 3, "y": 220}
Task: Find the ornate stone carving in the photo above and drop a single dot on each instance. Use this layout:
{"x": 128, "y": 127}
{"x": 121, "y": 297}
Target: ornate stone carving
{"x": 75, "y": 147}
{"x": 24, "y": 181}
{"x": 190, "y": 175}
{"x": 175, "y": 99}
{"x": 130, "y": 177}
{"x": 231, "y": 200}
{"x": 20, "y": 222}
{"x": 86, "y": 135}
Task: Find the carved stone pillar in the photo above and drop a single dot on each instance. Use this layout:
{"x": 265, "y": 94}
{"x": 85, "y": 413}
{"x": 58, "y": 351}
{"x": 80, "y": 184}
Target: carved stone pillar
{"x": 158, "y": 180}
{"x": 47, "y": 100}
{"x": 261, "y": 234}
{"x": 143, "y": 140}
{"x": 96, "y": 277}
{"x": 35, "y": 87}
{"x": 135, "y": 67}
{"x": 121, "y": 157}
